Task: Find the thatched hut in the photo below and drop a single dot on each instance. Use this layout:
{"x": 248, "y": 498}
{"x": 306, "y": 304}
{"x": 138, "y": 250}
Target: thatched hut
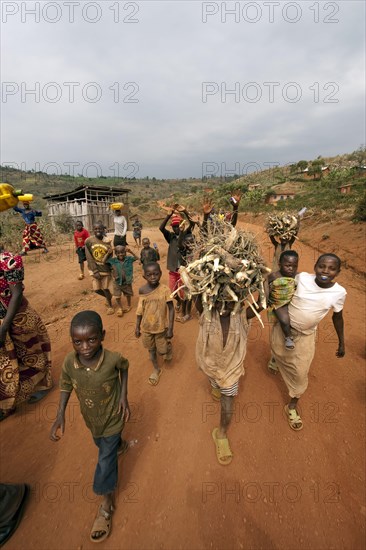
{"x": 88, "y": 203}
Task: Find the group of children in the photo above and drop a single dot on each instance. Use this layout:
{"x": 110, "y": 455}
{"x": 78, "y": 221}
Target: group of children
{"x": 112, "y": 276}
{"x": 99, "y": 376}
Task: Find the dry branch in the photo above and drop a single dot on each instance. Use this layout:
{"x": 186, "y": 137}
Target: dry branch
{"x": 284, "y": 226}
{"x": 226, "y": 267}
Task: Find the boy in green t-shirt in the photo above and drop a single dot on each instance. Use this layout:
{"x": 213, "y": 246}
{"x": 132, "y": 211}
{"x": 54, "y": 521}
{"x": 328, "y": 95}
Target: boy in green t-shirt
{"x": 99, "y": 378}
{"x": 122, "y": 274}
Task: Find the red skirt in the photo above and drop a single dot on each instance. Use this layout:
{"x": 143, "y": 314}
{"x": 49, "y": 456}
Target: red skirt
{"x": 32, "y": 237}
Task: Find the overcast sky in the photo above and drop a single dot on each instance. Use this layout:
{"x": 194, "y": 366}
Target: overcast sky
{"x": 179, "y": 89}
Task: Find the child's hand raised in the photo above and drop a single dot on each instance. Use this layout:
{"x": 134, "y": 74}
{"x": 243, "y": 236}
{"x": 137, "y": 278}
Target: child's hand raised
{"x": 207, "y": 205}
{"x": 236, "y": 196}
{"x": 173, "y": 207}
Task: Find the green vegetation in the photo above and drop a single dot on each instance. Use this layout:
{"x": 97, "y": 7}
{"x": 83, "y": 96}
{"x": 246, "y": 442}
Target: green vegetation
{"x": 317, "y": 190}
{"x": 360, "y": 210}
{"x": 65, "y": 223}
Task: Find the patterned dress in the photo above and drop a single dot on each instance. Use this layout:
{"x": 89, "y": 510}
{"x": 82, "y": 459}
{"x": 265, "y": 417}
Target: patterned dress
{"x": 25, "y": 356}
{"x": 32, "y": 236}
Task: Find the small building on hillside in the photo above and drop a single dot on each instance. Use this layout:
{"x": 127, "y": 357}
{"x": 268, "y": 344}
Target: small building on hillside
{"x": 89, "y": 204}
{"x": 324, "y": 171}
{"x": 274, "y": 198}
{"x": 253, "y": 186}
{"x": 358, "y": 171}
{"x": 344, "y": 189}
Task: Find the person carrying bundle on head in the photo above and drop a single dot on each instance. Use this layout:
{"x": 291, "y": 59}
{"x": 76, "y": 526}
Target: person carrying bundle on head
{"x": 282, "y": 231}
{"x": 32, "y": 235}
{"x": 174, "y": 257}
{"x": 226, "y": 272}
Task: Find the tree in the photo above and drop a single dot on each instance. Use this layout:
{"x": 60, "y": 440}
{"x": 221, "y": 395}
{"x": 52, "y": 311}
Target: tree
{"x": 360, "y": 155}
{"x": 302, "y": 164}
{"x": 255, "y": 196}
{"x": 293, "y": 168}
{"x": 315, "y": 169}
{"x": 360, "y": 211}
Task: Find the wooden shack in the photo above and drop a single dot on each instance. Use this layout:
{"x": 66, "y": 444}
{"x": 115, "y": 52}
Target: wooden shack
{"x": 274, "y": 198}
{"x": 89, "y": 204}
{"x": 345, "y": 189}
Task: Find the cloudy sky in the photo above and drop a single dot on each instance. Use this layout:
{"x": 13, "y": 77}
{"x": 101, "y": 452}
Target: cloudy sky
{"x": 179, "y": 88}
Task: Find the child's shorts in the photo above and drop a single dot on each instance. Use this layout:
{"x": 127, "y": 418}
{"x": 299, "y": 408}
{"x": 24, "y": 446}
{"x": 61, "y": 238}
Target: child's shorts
{"x": 81, "y": 254}
{"x": 158, "y": 342}
{"x": 118, "y": 290}
{"x": 175, "y": 282}
{"x": 231, "y": 392}
{"x": 104, "y": 283}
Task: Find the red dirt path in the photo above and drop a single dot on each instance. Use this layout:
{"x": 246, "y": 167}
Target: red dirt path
{"x": 283, "y": 489}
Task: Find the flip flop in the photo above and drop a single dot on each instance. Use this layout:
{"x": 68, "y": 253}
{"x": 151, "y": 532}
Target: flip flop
{"x": 37, "y": 396}
{"x": 223, "y": 452}
{"x": 126, "y": 309}
{"x": 154, "y": 378}
{"x": 289, "y": 343}
{"x": 293, "y": 418}
{"x": 102, "y": 522}
{"x": 4, "y": 414}
{"x": 110, "y": 311}
{"x": 272, "y": 367}
{"x": 183, "y": 319}
{"x": 119, "y": 312}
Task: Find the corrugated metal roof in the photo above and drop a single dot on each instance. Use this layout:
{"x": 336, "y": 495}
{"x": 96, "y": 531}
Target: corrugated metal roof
{"x": 79, "y": 193}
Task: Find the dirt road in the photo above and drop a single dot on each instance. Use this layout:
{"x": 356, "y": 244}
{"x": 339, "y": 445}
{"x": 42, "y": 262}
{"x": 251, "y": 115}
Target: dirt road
{"x": 283, "y": 489}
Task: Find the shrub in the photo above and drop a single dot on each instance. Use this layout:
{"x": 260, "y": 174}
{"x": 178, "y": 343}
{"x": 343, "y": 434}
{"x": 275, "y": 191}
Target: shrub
{"x": 360, "y": 210}
{"x": 64, "y": 223}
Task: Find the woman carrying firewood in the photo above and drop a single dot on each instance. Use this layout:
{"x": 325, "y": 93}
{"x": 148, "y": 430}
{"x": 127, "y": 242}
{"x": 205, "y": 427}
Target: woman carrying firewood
{"x": 225, "y": 272}
{"x": 282, "y": 230}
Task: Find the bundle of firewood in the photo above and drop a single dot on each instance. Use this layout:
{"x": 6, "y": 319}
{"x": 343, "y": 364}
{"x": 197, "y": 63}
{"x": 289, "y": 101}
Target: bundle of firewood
{"x": 226, "y": 267}
{"x": 284, "y": 226}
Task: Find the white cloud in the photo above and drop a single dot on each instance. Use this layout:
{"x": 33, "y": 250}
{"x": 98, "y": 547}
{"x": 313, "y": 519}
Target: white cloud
{"x": 169, "y": 53}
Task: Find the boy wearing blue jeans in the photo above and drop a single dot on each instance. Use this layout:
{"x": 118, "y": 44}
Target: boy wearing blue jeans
{"x": 99, "y": 378}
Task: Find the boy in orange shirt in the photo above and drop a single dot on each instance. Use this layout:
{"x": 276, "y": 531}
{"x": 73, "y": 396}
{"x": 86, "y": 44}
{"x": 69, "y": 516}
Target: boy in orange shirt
{"x": 155, "y": 318}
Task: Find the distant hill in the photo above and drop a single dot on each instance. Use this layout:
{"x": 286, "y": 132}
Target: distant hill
{"x": 315, "y": 183}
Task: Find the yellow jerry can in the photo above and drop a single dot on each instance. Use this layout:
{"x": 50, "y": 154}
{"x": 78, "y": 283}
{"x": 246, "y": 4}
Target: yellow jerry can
{"x": 8, "y": 196}
{"x": 27, "y": 197}
{"x": 116, "y": 206}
